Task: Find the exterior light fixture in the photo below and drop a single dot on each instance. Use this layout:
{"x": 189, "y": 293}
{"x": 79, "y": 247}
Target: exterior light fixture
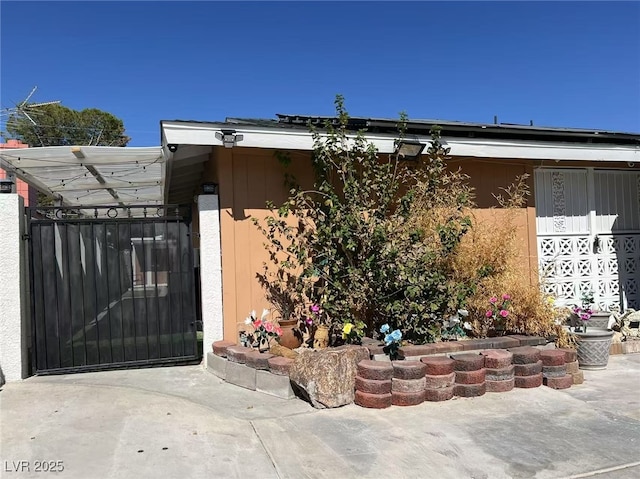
{"x": 229, "y": 138}
{"x": 6, "y": 186}
{"x": 408, "y": 150}
{"x": 209, "y": 188}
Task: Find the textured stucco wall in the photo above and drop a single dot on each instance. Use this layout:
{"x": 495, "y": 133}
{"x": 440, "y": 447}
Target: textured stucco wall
{"x": 13, "y": 289}
{"x": 210, "y": 271}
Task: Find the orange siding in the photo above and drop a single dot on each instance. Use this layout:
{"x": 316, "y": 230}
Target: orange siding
{"x": 249, "y": 177}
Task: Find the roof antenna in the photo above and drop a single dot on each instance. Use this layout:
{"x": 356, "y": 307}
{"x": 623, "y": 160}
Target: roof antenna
{"x": 495, "y": 119}
{"x": 530, "y": 122}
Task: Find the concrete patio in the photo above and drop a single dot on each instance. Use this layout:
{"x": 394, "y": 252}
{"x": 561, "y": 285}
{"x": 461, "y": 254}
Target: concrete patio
{"x": 179, "y": 422}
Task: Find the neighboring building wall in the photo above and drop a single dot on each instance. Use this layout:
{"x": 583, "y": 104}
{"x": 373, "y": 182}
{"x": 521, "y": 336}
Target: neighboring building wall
{"x": 29, "y": 194}
{"x": 249, "y": 177}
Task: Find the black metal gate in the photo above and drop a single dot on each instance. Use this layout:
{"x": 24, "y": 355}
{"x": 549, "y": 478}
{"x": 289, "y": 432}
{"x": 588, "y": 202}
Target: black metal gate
{"x": 111, "y": 287}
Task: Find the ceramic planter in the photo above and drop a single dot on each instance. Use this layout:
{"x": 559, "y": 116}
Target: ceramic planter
{"x": 593, "y": 347}
{"x": 291, "y": 337}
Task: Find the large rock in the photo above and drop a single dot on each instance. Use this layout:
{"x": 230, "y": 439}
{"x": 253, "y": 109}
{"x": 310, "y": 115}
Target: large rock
{"x": 327, "y": 377}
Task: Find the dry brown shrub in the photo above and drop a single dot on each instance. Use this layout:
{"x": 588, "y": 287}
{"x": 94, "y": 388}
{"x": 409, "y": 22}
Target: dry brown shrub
{"x": 489, "y": 253}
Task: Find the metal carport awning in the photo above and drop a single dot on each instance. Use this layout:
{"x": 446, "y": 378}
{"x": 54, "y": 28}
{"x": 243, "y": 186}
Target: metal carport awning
{"x": 85, "y": 176}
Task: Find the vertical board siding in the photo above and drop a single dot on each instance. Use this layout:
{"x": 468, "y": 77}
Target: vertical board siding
{"x": 248, "y": 178}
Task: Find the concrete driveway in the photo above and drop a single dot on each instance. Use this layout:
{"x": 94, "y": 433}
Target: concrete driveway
{"x": 183, "y": 422}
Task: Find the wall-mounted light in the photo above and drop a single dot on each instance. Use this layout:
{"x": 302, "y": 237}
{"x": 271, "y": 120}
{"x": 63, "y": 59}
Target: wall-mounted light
{"x": 172, "y": 147}
{"x": 631, "y": 164}
{"x": 209, "y": 188}
{"x": 408, "y": 149}
{"x": 6, "y": 186}
{"x": 229, "y": 138}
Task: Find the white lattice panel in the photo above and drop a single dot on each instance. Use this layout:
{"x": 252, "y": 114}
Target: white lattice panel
{"x": 588, "y": 224}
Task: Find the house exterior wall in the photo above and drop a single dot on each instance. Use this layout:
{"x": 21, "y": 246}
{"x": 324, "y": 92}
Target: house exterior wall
{"x": 28, "y": 193}
{"x": 248, "y": 177}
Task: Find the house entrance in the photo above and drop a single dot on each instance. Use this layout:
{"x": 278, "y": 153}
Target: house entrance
{"x": 111, "y": 287}
{"x": 588, "y": 230}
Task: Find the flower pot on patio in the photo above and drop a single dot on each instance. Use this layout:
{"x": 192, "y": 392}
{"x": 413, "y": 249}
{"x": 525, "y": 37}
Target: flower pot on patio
{"x": 593, "y": 347}
{"x": 291, "y": 337}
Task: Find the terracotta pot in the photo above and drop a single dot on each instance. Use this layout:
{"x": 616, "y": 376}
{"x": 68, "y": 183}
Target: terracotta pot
{"x": 321, "y": 337}
{"x": 291, "y": 337}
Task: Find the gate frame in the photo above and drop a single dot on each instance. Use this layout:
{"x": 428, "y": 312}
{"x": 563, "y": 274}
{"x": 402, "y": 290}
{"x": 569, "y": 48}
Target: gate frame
{"x": 146, "y": 218}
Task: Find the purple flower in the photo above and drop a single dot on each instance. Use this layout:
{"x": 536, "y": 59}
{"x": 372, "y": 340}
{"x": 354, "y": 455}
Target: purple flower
{"x": 584, "y": 317}
{"x": 315, "y": 308}
{"x": 309, "y": 321}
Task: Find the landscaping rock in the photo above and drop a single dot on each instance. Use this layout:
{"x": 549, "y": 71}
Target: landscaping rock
{"x": 440, "y": 394}
{"x": 220, "y": 348}
{"x": 408, "y": 369}
{"x": 469, "y": 390}
{"x": 407, "y": 399}
{"x": 525, "y": 355}
{"x": 570, "y": 355}
{"x": 438, "y": 365}
{"x": 497, "y": 358}
{"x": 327, "y": 377}
{"x": 374, "y": 401}
{"x": 236, "y": 354}
{"x": 373, "y": 386}
{"x": 470, "y": 377}
{"x": 467, "y": 362}
{"x": 527, "y": 369}
{"x": 500, "y": 374}
{"x": 279, "y": 365}
{"x": 376, "y": 370}
{"x": 562, "y": 382}
{"x": 257, "y": 360}
{"x": 279, "y": 350}
{"x": 578, "y": 377}
{"x": 572, "y": 367}
{"x": 500, "y": 386}
{"x": 554, "y": 371}
{"x": 408, "y": 385}
{"x": 439, "y": 381}
{"x": 533, "y": 381}
{"x": 552, "y": 357}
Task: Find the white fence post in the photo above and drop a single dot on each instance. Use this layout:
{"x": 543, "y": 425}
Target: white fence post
{"x": 210, "y": 271}
{"x": 14, "y": 300}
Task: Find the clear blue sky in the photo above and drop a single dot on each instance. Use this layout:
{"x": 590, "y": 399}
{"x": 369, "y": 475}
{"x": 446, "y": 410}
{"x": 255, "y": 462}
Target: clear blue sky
{"x": 574, "y": 64}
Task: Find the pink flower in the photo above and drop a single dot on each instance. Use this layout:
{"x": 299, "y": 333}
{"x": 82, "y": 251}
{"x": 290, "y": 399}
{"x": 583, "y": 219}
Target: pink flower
{"x": 268, "y": 327}
{"x": 504, "y": 313}
{"x": 488, "y": 314}
{"x": 279, "y": 331}
{"x": 506, "y": 297}
{"x": 257, "y": 323}
{"x": 493, "y": 300}
{"x": 315, "y": 309}
{"x": 309, "y": 321}
{"x": 584, "y": 317}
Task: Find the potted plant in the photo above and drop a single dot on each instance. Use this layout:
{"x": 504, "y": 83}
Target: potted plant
{"x": 265, "y": 331}
{"x": 593, "y": 342}
{"x": 282, "y": 290}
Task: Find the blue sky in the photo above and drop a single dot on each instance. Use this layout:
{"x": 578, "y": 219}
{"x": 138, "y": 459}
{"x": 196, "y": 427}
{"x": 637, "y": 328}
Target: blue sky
{"x": 573, "y": 64}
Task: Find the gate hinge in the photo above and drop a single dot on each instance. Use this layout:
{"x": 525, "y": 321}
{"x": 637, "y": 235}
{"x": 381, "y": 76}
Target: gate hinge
{"x": 26, "y": 237}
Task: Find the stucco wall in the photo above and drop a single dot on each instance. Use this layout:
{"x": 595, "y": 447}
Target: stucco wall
{"x": 249, "y": 177}
{"x": 14, "y": 328}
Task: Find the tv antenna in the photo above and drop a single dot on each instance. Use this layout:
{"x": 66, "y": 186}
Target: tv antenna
{"x": 26, "y": 110}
